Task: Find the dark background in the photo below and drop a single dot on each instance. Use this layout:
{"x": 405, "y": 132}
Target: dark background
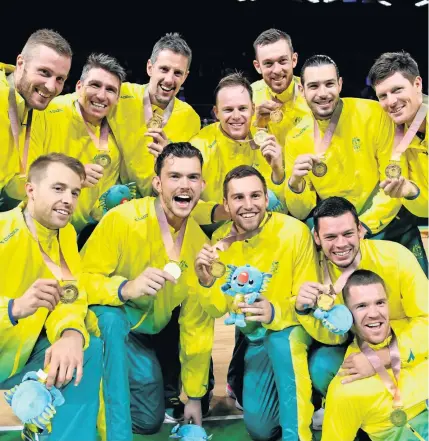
{"x": 221, "y": 35}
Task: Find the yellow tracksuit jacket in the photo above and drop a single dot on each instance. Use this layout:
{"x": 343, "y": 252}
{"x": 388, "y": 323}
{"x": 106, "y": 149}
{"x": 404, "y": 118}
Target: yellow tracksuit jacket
{"x": 406, "y": 287}
{"x": 416, "y": 169}
{"x": 293, "y": 112}
{"x": 128, "y": 240}
{"x": 221, "y": 154}
{"x": 367, "y": 403}
{"x": 22, "y": 263}
{"x": 356, "y": 159}
{"x": 128, "y": 125}
{"x": 61, "y": 129}
{"x": 9, "y": 157}
{"x": 285, "y": 249}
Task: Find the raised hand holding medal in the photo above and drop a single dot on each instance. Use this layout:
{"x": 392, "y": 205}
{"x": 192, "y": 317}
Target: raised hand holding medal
{"x": 68, "y": 291}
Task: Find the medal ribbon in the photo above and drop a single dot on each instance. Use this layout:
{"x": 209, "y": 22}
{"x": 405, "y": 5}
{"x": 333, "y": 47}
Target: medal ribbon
{"x": 14, "y": 124}
{"x": 249, "y": 140}
{"x": 60, "y": 272}
{"x": 321, "y": 145}
{"x": 173, "y": 248}
{"x": 234, "y": 236}
{"x": 102, "y": 143}
{"x": 147, "y": 106}
{"x": 375, "y": 361}
{"x": 295, "y": 94}
{"x": 402, "y": 141}
{"x": 338, "y": 286}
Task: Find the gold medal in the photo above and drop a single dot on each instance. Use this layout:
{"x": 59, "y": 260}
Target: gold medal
{"x": 325, "y": 302}
{"x": 69, "y": 292}
{"x": 173, "y": 269}
{"x": 319, "y": 169}
{"x": 276, "y": 116}
{"x": 103, "y": 159}
{"x": 398, "y": 417}
{"x": 393, "y": 170}
{"x": 217, "y": 269}
{"x": 155, "y": 122}
{"x": 260, "y": 137}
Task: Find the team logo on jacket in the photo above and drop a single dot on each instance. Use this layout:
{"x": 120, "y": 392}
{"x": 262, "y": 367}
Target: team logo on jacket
{"x": 356, "y": 144}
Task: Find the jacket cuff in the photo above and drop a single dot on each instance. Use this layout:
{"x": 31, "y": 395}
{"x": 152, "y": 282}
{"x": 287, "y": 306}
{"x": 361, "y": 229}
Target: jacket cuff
{"x": 411, "y": 198}
{"x": 9, "y": 312}
{"x": 296, "y": 192}
{"x": 77, "y": 330}
{"x": 123, "y": 283}
{"x": 304, "y": 312}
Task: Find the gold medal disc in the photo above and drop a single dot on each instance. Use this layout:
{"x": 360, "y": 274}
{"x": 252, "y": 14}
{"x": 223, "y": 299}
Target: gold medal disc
{"x": 319, "y": 169}
{"x": 103, "y": 159}
{"x": 398, "y": 418}
{"x": 325, "y": 302}
{"x": 217, "y": 269}
{"x": 155, "y": 122}
{"x": 174, "y": 269}
{"x": 260, "y": 137}
{"x": 393, "y": 171}
{"x": 276, "y": 116}
{"x": 69, "y": 293}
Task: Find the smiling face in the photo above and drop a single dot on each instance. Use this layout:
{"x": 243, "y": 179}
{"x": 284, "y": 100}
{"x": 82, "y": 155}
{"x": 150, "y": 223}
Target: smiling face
{"x": 179, "y": 185}
{"x": 52, "y": 198}
{"x": 322, "y": 90}
{"x": 400, "y": 98}
{"x": 167, "y": 74}
{"x": 339, "y": 238}
{"x": 275, "y": 62}
{"x": 98, "y": 93}
{"x": 40, "y": 76}
{"x": 246, "y": 203}
{"x": 370, "y": 309}
{"x": 234, "y": 110}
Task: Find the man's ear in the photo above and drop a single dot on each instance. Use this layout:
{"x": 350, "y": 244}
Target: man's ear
{"x": 156, "y": 184}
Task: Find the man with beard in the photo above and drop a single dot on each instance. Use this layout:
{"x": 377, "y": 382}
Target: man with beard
{"x": 397, "y": 82}
{"x": 76, "y": 124}
{"x": 43, "y": 303}
{"x": 385, "y": 414}
{"x": 229, "y": 143}
{"x": 138, "y": 268}
{"x": 148, "y": 117}
{"x": 343, "y": 150}
{"x": 339, "y": 234}
{"x": 277, "y": 388}
{"x": 279, "y": 105}
{"x": 41, "y": 70}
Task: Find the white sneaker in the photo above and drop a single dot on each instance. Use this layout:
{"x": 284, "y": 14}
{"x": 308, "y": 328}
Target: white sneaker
{"x": 318, "y": 418}
{"x": 231, "y": 394}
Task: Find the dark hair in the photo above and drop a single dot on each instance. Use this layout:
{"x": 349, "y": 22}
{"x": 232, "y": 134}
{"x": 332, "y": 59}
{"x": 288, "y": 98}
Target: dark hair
{"x": 39, "y": 166}
{"x": 271, "y": 36}
{"x": 173, "y": 42}
{"x": 178, "y": 150}
{"x": 234, "y": 79}
{"x": 389, "y": 63}
{"x": 318, "y": 60}
{"x": 49, "y": 38}
{"x": 105, "y": 62}
{"x": 333, "y": 207}
{"x": 242, "y": 171}
{"x": 361, "y": 277}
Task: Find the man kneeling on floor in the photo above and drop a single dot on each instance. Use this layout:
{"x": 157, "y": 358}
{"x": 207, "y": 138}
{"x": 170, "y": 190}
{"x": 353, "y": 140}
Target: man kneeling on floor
{"x": 390, "y": 404}
{"x": 42, "y": 315}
